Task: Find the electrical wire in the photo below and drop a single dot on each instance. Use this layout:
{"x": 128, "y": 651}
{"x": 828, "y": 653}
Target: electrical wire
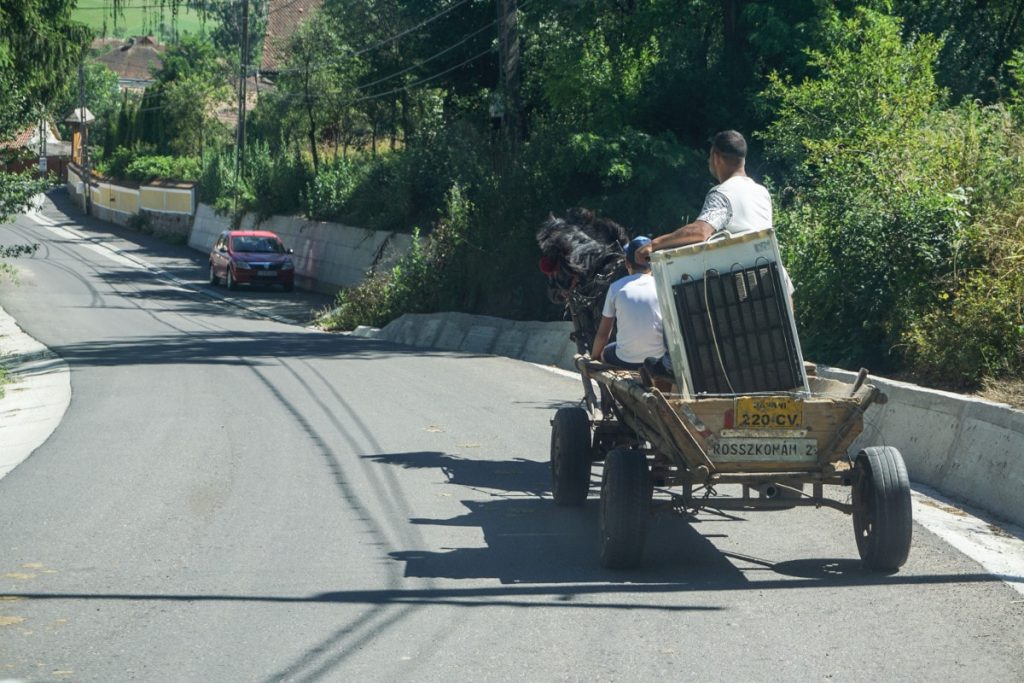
{"x": 385, "y": 41}
{"x": 407, "y": 86}
{"x": 411, "y": 28}
{"x": 412, "y": 67}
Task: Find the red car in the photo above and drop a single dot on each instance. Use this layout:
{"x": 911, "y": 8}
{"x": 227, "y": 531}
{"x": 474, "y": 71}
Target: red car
{"x": 250, "y": 257}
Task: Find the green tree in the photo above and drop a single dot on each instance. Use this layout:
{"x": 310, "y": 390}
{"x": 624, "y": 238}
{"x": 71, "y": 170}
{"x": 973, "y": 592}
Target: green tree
{"x": 177, "y": 114}
{"x": 102, "y": 98}
{"x": 318, "y": 81}
{"x": 227, "y": 24}
{"x": 40, "y": 46}
{"x": 189, "y": 102}
{"x": 869, "y": 211}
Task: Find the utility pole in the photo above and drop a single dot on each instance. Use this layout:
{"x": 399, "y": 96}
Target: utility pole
{"x": 508, "y": 67}
{"x": 84, "y": 142}
{"x": 43, "y": 130}
{"x": 242, "y": 73}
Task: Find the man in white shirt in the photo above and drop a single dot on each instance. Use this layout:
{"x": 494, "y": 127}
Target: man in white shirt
{"x": 736, "y": 204}
{"x": 632, "y": 307}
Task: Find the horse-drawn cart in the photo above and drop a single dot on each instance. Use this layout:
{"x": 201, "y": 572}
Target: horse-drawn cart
{"x": 677, "y": 448}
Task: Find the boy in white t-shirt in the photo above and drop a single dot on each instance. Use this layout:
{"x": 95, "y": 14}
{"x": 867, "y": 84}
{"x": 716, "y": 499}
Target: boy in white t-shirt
{"x": 632, "y": 307}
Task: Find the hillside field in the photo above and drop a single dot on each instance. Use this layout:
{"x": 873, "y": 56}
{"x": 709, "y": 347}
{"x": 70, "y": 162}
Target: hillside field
{"x": 143, "y": 19}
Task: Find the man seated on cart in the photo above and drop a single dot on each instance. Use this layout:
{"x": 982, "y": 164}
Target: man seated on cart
{"x": 737, "y": 204}
{"x": 631, "y": 306}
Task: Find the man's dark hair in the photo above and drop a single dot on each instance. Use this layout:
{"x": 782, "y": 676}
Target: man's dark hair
{"x": 730, "y": 143}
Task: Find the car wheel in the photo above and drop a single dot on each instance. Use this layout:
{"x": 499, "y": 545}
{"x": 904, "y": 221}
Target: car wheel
{"x": 288, "y": 287}
{"x": 214, "y": 280}
{"x": 230, "y": 279}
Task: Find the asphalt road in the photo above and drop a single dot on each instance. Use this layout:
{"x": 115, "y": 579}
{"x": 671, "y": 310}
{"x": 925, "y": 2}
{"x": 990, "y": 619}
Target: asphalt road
{"x": 230, "y": 498}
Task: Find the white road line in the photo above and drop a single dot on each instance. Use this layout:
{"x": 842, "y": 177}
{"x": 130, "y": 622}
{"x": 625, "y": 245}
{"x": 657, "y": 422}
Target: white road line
{"x": 995, "y": 545}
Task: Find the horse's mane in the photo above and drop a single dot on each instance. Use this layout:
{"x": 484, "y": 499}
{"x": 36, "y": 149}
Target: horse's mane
{"x": 582, "y": 254}
{"x": 580, "y": 247}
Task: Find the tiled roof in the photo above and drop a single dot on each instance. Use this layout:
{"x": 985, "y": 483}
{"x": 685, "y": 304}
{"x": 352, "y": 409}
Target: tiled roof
{"x": 28, "y": 138}
{"x": 283, "y": 17}
{"x": 135, "y": 59}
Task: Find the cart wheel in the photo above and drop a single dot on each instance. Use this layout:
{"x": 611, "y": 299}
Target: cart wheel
{"x": 625, "y": 501}
{"x": 570, "y": 456}
{"x": 882, "y": 518}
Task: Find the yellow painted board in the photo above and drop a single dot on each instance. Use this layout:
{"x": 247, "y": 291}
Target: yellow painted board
{"x": 152, "y": 198}
{"x": 127, "y": 201}
{"x": 179, "y": 201}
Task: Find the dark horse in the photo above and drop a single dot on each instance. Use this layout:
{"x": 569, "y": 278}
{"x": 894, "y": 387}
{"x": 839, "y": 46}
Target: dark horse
{"x": 582, "y": 256}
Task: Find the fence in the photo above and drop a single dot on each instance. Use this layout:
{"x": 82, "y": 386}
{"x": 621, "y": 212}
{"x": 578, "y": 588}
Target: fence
{"x": 163, "y": 208}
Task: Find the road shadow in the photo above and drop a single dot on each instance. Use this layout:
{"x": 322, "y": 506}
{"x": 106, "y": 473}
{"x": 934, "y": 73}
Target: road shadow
{"x": 237, "y": 348}
{"x": 534, "y": 541}
{"x": 517, "y": 476}
{"x": 527, "y": 539}
{"x": 178, "y": 260}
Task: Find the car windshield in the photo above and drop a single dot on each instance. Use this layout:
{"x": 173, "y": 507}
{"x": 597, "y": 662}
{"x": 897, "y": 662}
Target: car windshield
{"x": 261, "y": 245}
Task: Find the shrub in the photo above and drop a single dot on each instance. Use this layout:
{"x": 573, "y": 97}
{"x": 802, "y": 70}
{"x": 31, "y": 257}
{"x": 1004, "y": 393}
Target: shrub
{"x": 329, "y": 192}
{"x": 873, "y": 211}
{"x": 138, "y": 163}
{"x": 161, "y": 167}
{"x": 276, "y": 183}
{"x": 415, "y": 284}
{"x": 973, "y": 334}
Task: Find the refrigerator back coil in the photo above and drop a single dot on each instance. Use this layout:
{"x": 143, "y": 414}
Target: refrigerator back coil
{"x": 737, "y": 332}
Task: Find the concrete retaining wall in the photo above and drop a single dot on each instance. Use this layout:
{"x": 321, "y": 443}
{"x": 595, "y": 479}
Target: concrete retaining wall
{"x": 328, "y": 256}
{"x": 965, "y": 447}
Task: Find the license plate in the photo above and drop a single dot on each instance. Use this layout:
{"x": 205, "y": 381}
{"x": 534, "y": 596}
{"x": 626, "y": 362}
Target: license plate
{"x": 266, "y": 273}
{"x": 737, "y": 450}
{"x": 768, "y": 412}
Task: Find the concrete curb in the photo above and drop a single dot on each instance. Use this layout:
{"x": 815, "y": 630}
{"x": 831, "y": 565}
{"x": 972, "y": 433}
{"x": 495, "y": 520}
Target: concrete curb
{"x": 533, "y": 341}
{"x": 968, "y": 448}
{"x": 35, "y": 400}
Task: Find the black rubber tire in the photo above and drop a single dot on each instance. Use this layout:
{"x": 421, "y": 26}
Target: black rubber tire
{"x": 214, "y": 280}
{"x": 288, "y": 287}
{"x": 229, "y": 279}
{"x": 882, "y": 516}
{"x": 625, "y": 505}
{"x": 570, "y": 456}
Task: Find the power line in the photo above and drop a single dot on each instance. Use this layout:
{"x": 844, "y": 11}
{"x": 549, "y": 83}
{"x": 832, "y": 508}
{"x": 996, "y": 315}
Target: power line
{"x": 424, "y": 80}
{"x": 407, "y": 86}
{"x": 430, "y": 58}
{"x": 385, "y": 41}
{"x": 411, "y": 29}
